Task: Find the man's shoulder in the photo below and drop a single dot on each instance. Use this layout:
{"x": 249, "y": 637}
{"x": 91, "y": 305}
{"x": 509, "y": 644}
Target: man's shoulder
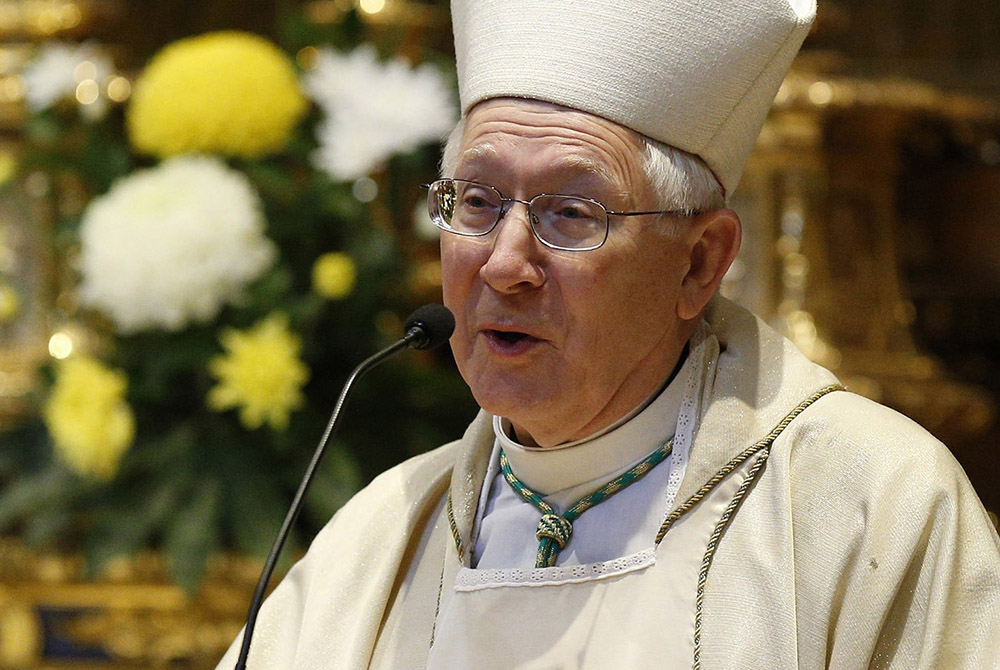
{"x": 391, "y": 506}
{"x": 854, "y": 442}
{"x": 859, "y": 422}
{"x": 402, "y": 498}
{"x": 412, "y": 479}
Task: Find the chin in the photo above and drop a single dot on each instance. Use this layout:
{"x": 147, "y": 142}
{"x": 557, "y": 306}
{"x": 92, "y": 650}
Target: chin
{"x": 502, "y": 398}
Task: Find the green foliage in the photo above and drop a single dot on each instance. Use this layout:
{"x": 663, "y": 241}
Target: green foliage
{"x": 189, "y": 540}
{"x": 197, "y": 481}
{"x": 39, "y": 492}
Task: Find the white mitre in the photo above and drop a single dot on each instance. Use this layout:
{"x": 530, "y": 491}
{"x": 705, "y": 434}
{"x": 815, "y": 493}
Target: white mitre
{"x": 699, "y": 75}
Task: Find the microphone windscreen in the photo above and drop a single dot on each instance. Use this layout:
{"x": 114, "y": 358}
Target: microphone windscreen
{"x": 435, "y": 321}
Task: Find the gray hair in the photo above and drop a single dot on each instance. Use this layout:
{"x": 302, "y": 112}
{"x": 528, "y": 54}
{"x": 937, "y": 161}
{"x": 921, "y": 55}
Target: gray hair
{"x": 682, "y": 180}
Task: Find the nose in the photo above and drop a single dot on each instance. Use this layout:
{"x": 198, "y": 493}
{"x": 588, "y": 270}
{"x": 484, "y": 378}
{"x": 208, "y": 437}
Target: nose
{"x": 515, "y": 260}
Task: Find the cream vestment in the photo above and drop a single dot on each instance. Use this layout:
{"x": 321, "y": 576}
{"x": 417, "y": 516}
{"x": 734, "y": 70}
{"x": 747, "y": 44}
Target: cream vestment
{"x": 811, "y": 529}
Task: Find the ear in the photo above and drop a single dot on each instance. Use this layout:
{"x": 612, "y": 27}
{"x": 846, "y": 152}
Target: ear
{"x": 714, "y": 241}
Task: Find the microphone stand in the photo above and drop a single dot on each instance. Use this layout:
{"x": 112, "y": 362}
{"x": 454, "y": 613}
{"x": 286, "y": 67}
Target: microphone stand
{"x": 415, "y": 336}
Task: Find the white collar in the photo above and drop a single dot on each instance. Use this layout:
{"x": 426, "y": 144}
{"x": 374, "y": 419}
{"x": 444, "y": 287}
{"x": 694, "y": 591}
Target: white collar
{"x": 548, "y": 470}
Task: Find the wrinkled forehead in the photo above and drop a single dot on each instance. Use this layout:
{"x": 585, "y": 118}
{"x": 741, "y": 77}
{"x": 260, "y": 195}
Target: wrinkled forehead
{"x": 542, "y": 118}
{"x": 544, "y": 136}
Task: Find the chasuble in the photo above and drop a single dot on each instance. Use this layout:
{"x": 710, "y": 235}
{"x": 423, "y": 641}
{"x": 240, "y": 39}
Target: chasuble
{"x": 794, "y": 525}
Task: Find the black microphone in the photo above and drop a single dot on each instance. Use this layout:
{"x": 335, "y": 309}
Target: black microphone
{"x": 428, "y": 327}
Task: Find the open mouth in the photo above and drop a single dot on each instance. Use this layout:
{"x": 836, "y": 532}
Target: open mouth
{"x": 510, "y": 342}
{"x": 510, "y": 337}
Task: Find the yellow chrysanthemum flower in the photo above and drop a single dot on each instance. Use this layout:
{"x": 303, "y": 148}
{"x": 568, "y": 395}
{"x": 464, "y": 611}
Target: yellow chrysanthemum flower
{"x": 260, "y": 374}
{"x": 90, "y": 423}
{"x": 8, "y": 166}
{"x": 333, "y": 275}
{"x": 227, "y": 93}
{"x": 10, "y": 303}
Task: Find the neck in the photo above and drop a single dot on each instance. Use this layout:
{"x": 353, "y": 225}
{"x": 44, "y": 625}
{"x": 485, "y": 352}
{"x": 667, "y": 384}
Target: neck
{"x": 626, "y": 403}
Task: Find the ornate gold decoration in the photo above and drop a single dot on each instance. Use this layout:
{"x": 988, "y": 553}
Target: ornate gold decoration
{"x": 132, "y": 617}
{"x": 42, "y": 18}
{"x": 25, "y": 266}
{"x": 398, "y": 12}
{"x": 27, "y": 206}
{"x": 821, "y": 255}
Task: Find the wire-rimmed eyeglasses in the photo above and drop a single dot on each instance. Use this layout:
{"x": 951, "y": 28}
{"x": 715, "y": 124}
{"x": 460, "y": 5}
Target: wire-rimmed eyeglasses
{"x": 565, "y": 222}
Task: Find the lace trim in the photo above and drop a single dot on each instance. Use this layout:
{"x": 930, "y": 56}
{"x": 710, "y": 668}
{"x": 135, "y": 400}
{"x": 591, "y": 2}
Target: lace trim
{"x": 470, "y": 579}
{"x": 686, "y": 419}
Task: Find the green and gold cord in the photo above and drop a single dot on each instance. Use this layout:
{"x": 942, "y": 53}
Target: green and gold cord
{"x": 554, "y": 529}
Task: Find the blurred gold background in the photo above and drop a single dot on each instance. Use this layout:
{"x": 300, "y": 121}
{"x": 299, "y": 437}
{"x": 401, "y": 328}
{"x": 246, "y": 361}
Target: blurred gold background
{"x": 871, "y": 208}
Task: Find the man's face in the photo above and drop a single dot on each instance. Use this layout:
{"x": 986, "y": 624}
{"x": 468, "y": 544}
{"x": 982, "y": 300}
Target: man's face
{"x": 562, "y": 343}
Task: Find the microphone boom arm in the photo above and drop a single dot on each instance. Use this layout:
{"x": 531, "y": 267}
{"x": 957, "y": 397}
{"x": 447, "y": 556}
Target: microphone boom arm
{"x": 415, "y": 336}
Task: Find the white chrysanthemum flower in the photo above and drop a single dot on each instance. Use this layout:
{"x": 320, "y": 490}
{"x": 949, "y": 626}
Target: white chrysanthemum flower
{"x": 374, "y": 110}
{"x": 170, "y": 245}
{"x": 59, "y": 68}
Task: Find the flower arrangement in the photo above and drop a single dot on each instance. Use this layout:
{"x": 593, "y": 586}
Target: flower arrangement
{"x": 372, "y": 110}
{"x": 10, "y": 303}
{"x": 260, "y": 373}
{"x": 334, "y": 275}
{"x": 90, "y": 422}
{"x": 223, "y": 269}
{"x": 172, "y": 244}
{"x": 225, "y": 93}
{"x": 61, "y": 72}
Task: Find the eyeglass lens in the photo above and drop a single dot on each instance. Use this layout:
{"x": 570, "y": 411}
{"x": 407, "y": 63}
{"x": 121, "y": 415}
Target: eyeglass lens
{"x": 560, "y": 221}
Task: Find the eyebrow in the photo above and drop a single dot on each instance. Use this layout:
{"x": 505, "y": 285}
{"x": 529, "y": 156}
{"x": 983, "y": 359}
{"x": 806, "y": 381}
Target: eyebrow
{"x": 480, "y": 152}
{"x": 580, "y": 164}
{"x": 577, "y": 164}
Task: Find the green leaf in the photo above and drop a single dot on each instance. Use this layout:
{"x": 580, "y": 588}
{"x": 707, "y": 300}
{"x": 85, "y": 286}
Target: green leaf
{"x": 255, "y": 504}
{"x": 274, "y": 181}
{"x": 125, "y": 527}
{"x": 43, "y": 129}
{"x": 190, "y": 536}
{"x": 103, "y": 164}
{"x": 266, "y": 294}
{"x": 44, "y": 529}
{"x": 161, "y": 454}
{"x": 39, "y": 491}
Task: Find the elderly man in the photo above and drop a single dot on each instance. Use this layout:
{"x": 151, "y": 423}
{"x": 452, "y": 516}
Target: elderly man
{"x": 656, "y": 479}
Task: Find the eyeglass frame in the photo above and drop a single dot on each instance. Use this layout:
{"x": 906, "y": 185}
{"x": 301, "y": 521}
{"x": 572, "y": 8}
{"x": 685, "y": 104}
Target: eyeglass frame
{"x": 532, "y": 218}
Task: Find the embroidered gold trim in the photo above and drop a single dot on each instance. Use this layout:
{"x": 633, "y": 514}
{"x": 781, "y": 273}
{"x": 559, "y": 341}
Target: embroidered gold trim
{"x": 454, "y": 529}
{"x": 738, "y": 460}
{"x": 713, "y": 544}
{"x": 764, "y": 448}
{"x": 706, "y": 489}
{"x": 437, "y": 607}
